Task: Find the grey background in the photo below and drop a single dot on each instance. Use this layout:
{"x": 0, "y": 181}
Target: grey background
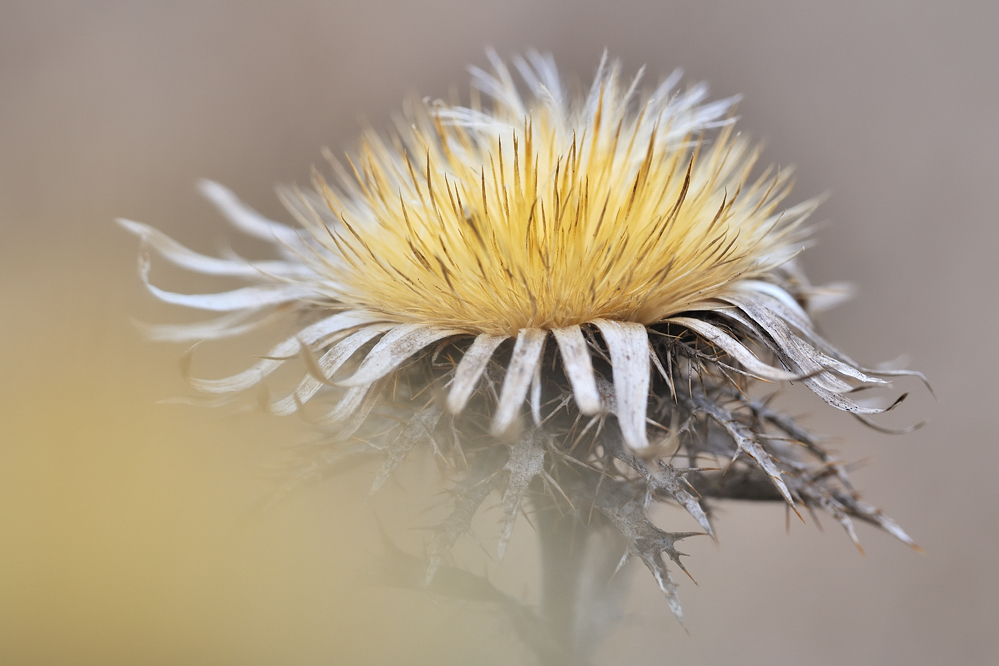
{"x": 127, "y": 529}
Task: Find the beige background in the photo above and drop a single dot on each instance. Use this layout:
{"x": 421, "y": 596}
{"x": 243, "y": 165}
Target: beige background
{"x": 128, "y": 529}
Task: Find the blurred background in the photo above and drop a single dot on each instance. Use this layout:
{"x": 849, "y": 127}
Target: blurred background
{"x": 130, "y": 531}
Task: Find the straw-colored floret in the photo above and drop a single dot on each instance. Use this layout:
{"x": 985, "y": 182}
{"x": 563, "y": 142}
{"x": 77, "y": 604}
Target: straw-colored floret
{"x": 550, "y": 213}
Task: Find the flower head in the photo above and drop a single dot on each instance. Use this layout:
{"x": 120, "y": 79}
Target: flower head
{"x": 614, "y": 259}
{"x": 550, "y": 213}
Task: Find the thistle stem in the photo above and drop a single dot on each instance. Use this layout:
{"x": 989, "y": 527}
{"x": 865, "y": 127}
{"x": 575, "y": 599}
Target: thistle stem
{"x": 563, "y": 538}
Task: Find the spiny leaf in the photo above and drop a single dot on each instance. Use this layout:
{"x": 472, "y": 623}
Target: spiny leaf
{"x": 648, "y": 542}
{"x": 527, "y": 460}
{"x": 745, "y": 440}
{"x": 421, "y": 427}
{"x": 473, "y": 489}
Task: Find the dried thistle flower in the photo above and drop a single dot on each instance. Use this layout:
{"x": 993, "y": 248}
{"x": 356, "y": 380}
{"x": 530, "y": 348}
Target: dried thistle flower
{"x": 610, "y": 265}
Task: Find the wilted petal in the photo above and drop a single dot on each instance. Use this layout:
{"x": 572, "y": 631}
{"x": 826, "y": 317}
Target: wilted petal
{"x": 470, "y": 369}
{"x": 778, "y": 302}
{"x": 795, "y": 353}
{"x": 735, "y": 349}
{"x": 850, "y": 371}
{"x": 628, "y": 344}
{"x": 835, "y": 359}
{"x": 328, "y": 364}
{"x": 398, "y": 344}
{"x": 578, "y": 368}
{"x": 228, "y": 325}
{"x": 237, "y": 299}
{"x": 181, "y": 256}
{"x": 776, "y": 293}
{"x": 349, "y": 403}
{"x": 526, "y": 356}
{"x": 828, "y": 296}
{"x": 310, "y": 335}
{"x": 227, "y": 301}
{"x": 536, "y": 394}
{"x": 245, "y": 218}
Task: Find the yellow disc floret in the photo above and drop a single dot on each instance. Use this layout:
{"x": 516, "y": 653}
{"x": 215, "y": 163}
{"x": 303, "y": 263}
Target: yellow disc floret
{"x": 542, "y": 216}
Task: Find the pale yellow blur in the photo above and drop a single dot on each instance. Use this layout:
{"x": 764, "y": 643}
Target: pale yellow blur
{"x": 132, "y": 532}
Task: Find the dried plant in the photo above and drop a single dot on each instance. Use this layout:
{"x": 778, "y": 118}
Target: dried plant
{"x": 571, "y": 301}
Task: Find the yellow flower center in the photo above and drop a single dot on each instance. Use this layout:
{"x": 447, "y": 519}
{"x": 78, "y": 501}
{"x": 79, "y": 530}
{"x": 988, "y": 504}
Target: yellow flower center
{"x": 544, "y": 217}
